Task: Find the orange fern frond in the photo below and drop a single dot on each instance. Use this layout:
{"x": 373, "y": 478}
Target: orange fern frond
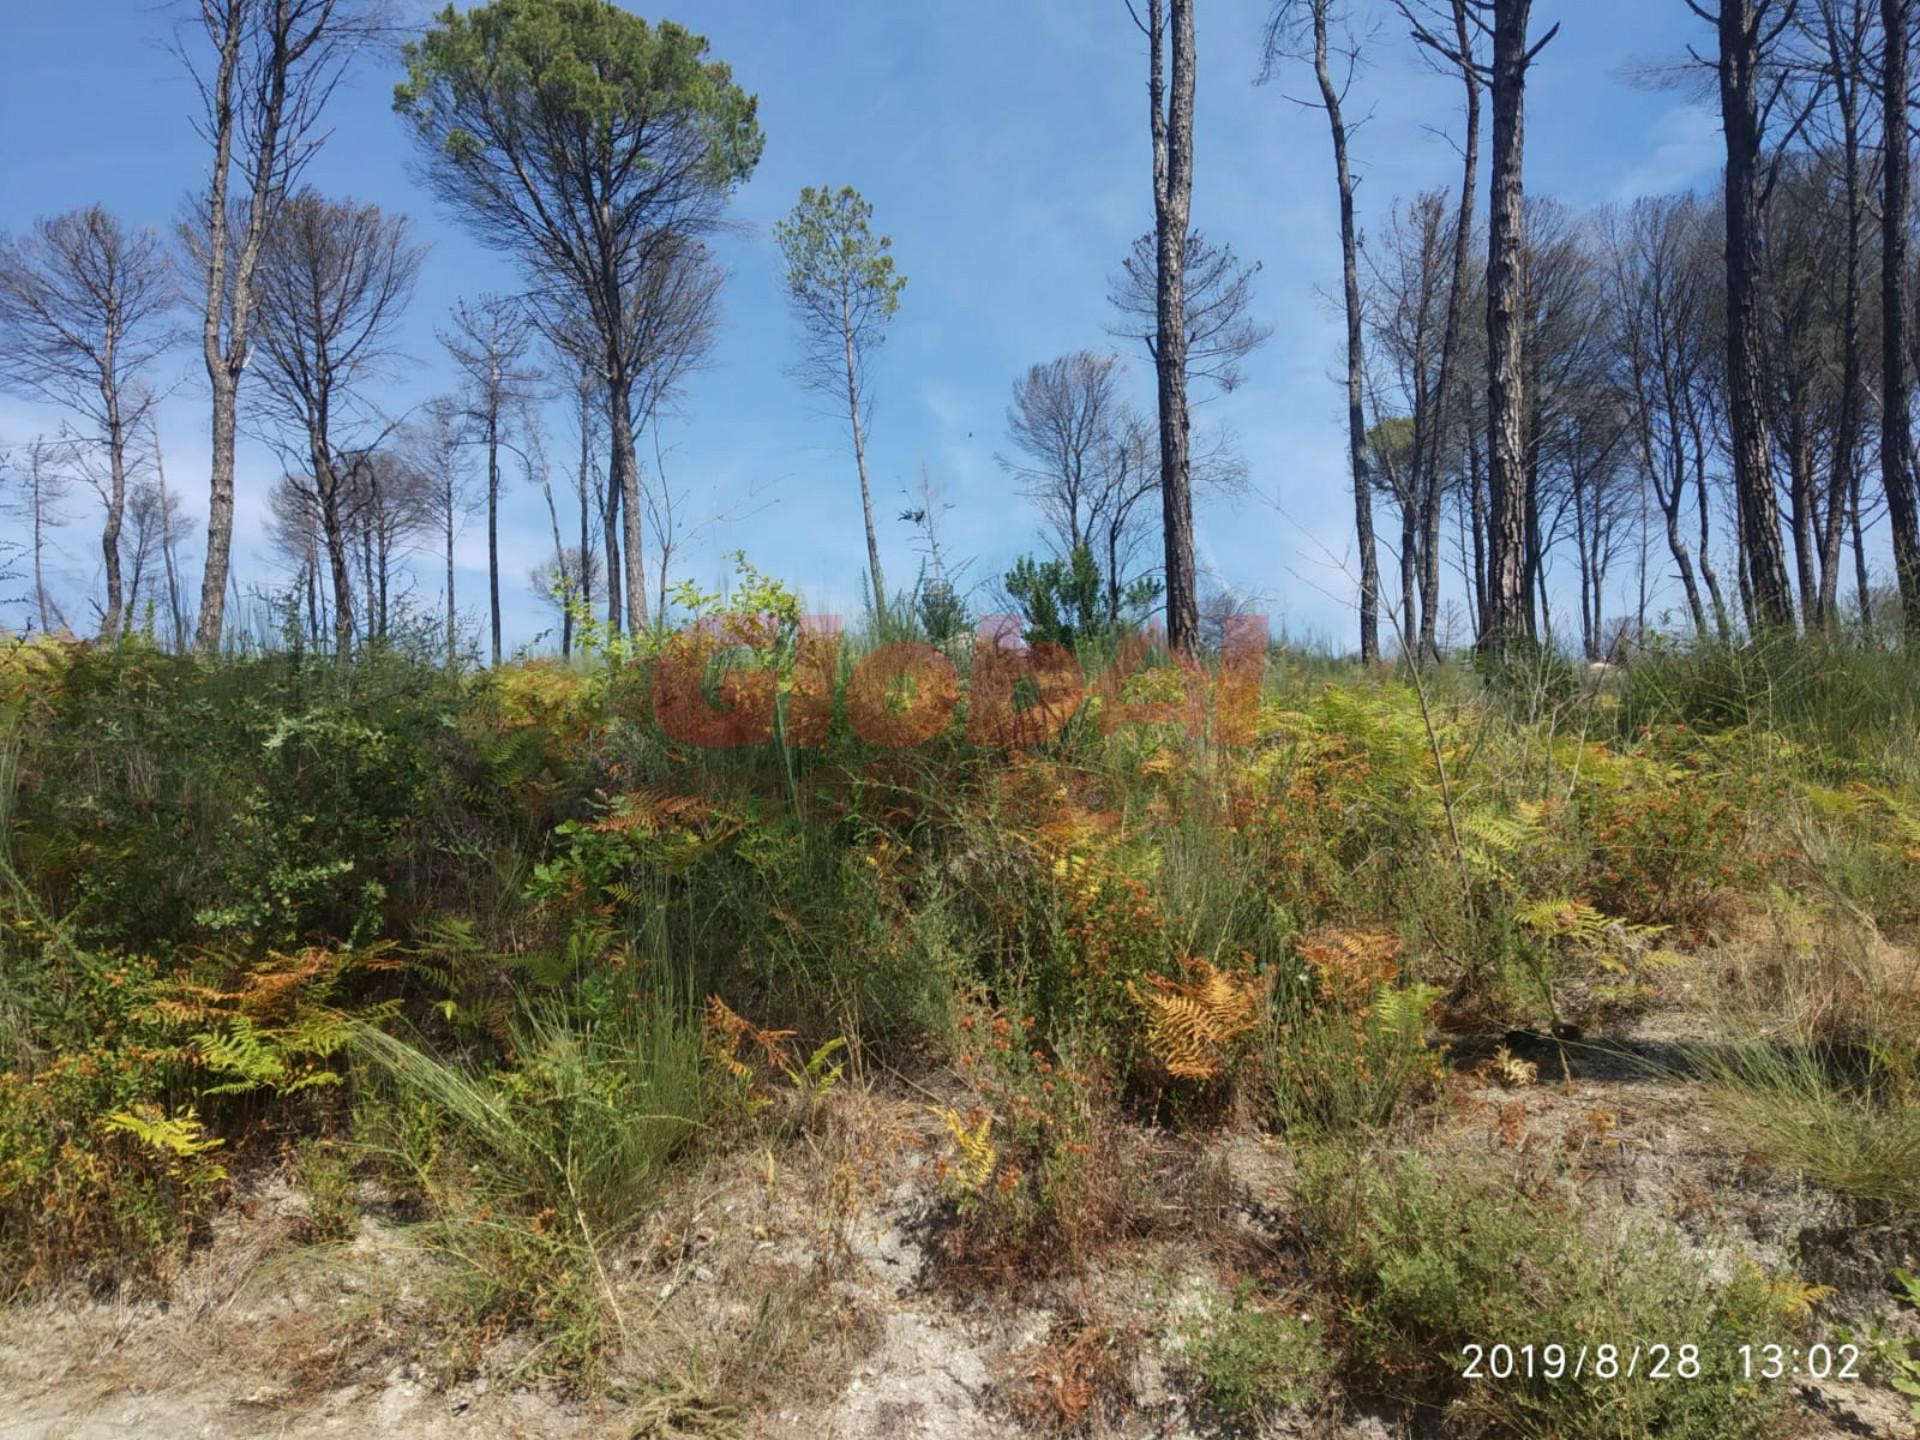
{"x": 1353, "y": 962}
{"x": 726, "y": 1033}
{"x": 1192, "y": 1025}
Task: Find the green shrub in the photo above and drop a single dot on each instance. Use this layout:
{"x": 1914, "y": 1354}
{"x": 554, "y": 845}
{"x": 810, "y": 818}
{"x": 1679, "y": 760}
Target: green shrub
{"x": 324, "y": 1170}
{"x": 163, "y": 802}
{"x": 1435, "y": 1257}
{"x": 1851, "y": 703}
{"x": 1250, "y": 1362}
{"x": 104, "y": 1164}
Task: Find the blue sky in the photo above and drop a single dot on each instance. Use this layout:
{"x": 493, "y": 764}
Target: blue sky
{"x": 1004, "y": 146}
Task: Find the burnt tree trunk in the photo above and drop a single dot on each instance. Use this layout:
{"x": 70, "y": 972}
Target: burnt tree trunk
{"x": 1450, "y": 339}
{"x": 860, "y": 462}
{"x": 1842, "y": 471}
{"x": 1509, "y": 603}
{"x": 493, "y": 524}
{"x": 1172, "y": 212}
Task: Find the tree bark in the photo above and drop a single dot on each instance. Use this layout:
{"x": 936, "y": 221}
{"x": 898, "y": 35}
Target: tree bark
{"x": 326, "y": 485}
{"x": 1800, "y": 520}
{"x": 1477, "y": 503}
{"x": 626, "y": 476}
{"x": 43, "y": 602}
{"x": 1356, "y": 351}
{"x": 1509, "y": 606}
{"x": 610, "y": 533}
{"x": 116, "y": 494}
{"x": 585, "y": 566}
{"x": 1450, "y": 338}
{"x": 1896, "y": 429}
{"x": 1173, "y": 208}
{"x": 1766, "y": 569}
{"x": 174, "y": 615}
{"x": 228, "y": 315}
{"x": 453, "y": 623}
{"x": 1861, "y": 583}
{"x": 1841, "y": 473}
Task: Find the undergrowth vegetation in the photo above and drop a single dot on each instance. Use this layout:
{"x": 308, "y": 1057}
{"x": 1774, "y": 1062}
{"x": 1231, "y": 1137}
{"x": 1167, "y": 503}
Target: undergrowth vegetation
{"x": 497, "y": 947}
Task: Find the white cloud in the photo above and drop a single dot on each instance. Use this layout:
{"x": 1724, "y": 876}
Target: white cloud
{"x": 1682, "y": 147}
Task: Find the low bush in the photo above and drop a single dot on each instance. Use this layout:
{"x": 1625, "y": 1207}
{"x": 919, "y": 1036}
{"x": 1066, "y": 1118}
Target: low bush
{"x": 1031, "y": 1166}
{"x": 1249, "y": 1361}
{"x": 105, "y": 1164}
{"x": 1438, "y": 1262}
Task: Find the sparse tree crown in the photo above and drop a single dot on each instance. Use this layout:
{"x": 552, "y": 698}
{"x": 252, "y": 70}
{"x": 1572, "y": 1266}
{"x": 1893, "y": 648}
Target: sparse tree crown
{"x": 840, "y": 275}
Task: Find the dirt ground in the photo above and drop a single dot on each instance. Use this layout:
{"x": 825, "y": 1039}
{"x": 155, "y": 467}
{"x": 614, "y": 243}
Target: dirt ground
{"x": 810, "y": 1273}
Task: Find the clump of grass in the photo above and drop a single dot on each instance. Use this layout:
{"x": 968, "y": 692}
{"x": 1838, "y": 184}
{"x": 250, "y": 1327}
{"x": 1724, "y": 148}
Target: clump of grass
{"x": 1851, "y": 701}
{"x": 1437, "y": 1257}
{"x": 1847, "y": 1117}
{"x": 547, "y": 1163}
{"x": 1820, "y": 1065}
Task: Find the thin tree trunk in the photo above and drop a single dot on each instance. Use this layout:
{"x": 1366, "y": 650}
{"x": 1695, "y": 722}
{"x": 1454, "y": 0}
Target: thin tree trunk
{"x": 1846, "y": 460}
{"x": 175, "y": 616}
{"x": 860, "y": 461}
{"x": 1861, "y": 582}
{"x": 116, "y": 491}
{"x": 1356, "y": 351}
{"x": 1669, "y": 489}
{"x": 1696, "y": 432}
{"x": 229, "y": 306}
{"x": 1683, "y": 562}
{"x": 41, "y": 603}
{"x": 213, "y": 578}
{"x": 1535, "y": 567}
{"x": 1587, "y": 645}
{"x": 1173, "y": 208}
{"x": 1743, "y": 566}
{"x": 312, "y": 569}
{"x": 1646, "y": 541}
{"x": 585, "y": 567}
{"x": 367, "y": 591}
{"x": 1410, "y": 566}
{"x": 1450, "y": 338}
{"x": 1477, "y": 500}
{"x": 610, "y": 565}
{"x": 626, "y": 464}
{"x": 493, "y": 522}
{"x": 559, "y": 555}
{"x": 453, "y": 630}
{"x": 1800, "y": 521}
{"x": 334, "y": 534}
